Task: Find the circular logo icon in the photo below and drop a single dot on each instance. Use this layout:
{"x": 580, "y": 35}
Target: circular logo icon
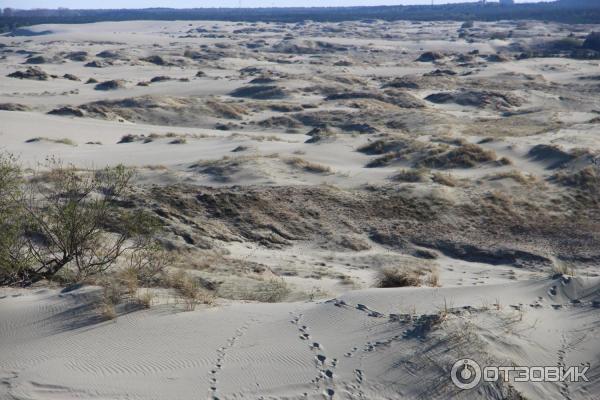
{"x": 465, "y": 374}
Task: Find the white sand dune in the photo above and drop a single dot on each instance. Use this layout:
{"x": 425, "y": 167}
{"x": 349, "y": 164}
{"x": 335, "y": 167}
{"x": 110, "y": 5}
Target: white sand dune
{"x": 352, "y": 343}
{"x": 55, "y": 347}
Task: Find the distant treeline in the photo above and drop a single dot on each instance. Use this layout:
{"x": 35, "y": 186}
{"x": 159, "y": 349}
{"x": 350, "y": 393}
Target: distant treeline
{"x": 567, "y": 11}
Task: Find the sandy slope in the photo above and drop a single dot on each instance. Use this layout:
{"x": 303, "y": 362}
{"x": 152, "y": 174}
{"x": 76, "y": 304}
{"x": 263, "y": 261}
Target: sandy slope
{"x": 54, "y": 348}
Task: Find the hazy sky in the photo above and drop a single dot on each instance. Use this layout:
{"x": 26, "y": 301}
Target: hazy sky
{"x": 208, "y": 3}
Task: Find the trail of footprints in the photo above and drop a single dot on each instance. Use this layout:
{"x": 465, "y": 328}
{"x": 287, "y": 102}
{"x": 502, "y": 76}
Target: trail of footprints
{"x": 360, "y": 307}
{"x": 221, "y": 358}
{"x": 325, "y": 366}
{"x": 567, "y": 345}
{"x": 420, "y": 324}
{"x": 564, "y": 386}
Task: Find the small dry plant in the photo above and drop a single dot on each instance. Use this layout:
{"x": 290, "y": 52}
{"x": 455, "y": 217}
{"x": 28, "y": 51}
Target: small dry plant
{"x": 109, "y": 311}
{"x": 146, "y": 298}
{"x": 563, "y": 268}
{"x": 433, "y": 278}
{"x": 308, "y": 166}
{"x": 444, "y": 179}
{"x": 113, "y": 293}
{"x": 190, "y": 292}
{"x": 397, "y": 277}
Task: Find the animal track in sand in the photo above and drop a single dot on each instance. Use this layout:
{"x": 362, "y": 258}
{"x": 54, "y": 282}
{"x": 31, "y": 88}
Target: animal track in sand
{"x": 324, "y": 365}
{"x": 359, "y": 376}
{"x": 360, "y": 307}
{"x": 564, "y": 386}
{"x": 6, "y": 381}
{"x": 221, "y": 358}
{"x": 567, "y": 345}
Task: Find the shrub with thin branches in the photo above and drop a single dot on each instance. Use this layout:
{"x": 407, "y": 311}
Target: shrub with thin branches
{"x": 14, "y": 257}
{"x": 147, "y": 263}
{"x": 69, "y": 217}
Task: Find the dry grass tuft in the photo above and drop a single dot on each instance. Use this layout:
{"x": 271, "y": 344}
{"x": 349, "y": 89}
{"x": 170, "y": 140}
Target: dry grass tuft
{"x": 465, "y": 156}
{"x": 65, "y": 141}
{"x": 128, "y": 138}
{"x": 396, "y": 145}
{"x": 587, "y": 178}
{"x": 146, "y": 298}
{"x": 259, "y": 92}
{"x": 128, "y": 279}
{"x": 433, "y": 278}
{"x": 515, "y": 175}
{"x": 272, "y": 291}
{"x": 178, "y": 141}
{"x": 189, "y": 291}
{"x": 109, "y": 311}
{"x": 308, "y": 166}
{"x": 562, "y": 268}
{"x": 411, "y": 175}
{"x": 113, "y": 294}
{"x": 227, "y": 110}
{"x": 110, "y": 85}
{"x": 444, "y": 179}
{"x": 397, "y": 277}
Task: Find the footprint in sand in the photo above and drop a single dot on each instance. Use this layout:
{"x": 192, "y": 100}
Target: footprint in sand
{"x": 326, "y": 373}
{"x": 561, "y": 353}
{"x": 221, "y": 356}
{"x": 359, "y": 375}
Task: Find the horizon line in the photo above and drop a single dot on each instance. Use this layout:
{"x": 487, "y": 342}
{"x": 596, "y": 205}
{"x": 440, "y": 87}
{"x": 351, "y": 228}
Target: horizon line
{"x": 424, "y": 3}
